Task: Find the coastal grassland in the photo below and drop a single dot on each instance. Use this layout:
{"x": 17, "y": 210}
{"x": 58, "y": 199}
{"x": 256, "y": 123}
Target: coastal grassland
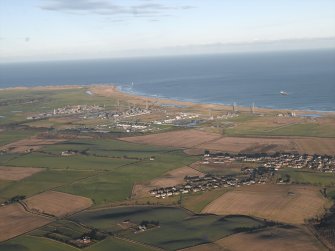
{"x": 46, "y": 99}
{"x": 307, "y": 176}
{"x": 116, "y": 184}
{"x": 196, "y": 202}
{"x": 178, "y": 228}
{"x": 41, "y": 182}
{"x": 18, "y": 104}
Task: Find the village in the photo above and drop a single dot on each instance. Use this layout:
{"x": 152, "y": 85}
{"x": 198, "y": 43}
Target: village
{"x": 264, "y": 173}
{"x": 322, "y": 163}
{"x": 248, "y": 176}
{"x": 121, "y": 117}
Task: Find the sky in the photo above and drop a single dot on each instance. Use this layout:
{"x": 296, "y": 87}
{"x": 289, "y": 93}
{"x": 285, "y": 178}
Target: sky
{"x": 35, "y": 30}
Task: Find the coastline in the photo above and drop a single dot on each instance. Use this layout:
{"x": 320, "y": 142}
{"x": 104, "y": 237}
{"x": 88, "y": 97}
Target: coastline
{"x": 113, "y": 89}
{"x": 109, "y": 90}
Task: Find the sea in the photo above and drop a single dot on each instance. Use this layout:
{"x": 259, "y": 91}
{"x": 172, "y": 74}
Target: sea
{"x": 307, "y": 77}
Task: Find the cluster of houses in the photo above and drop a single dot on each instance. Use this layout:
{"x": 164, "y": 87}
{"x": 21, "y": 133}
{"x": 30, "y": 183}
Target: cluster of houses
{"x": 322, "y": 163}
{"x": 116, "y": 114}
{"x": 248, "y": 176}
{"x": 76, "y": 109}
{"x": 229, "y": 115}
{"x": 176, "y": 118}
{"x": 288, "y": 114}
{"x": 68, "y": 110}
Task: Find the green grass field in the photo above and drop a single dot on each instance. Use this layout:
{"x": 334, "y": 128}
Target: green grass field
{"x": 116, "y": 185}
{"x": 75, "y": 162}
{"x": 108, "y": 148}
{"x": 178, "y": 228}
{"x": 198, "y": 201}
{"x": 116, "y": 244}
{"x": 33, "y": 243}
{"x": 10, "y": 136}
{"x": 67, "y": 229}
{"x": 40, "y": 182}
{"x": 114, "y": 166}
{"x": 331, "y": 193}
{"x": 303, "y": 176}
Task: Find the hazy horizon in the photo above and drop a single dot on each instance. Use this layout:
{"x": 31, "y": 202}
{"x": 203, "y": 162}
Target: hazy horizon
{"x": 42, "y": 30}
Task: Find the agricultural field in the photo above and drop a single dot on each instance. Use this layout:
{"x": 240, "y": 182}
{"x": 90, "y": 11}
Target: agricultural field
{"x": 171, "y": 178}
{"x": 30, "y": 144}
{"x": 17, "y": 173}
{"x": 303, "y": 176}
{"x": 204, "y": 140}
{"x": 81, "y": 177}
{"x": 33, "y": 243}
{"x": 283, "y": 203}
{"x": 232, "y": 168}
{"x": 196, "y": 202}
{"x": 10, "y": 136}
{"x": 103, "y": 170}
{"x": 40, "y": 182}
{"x": 14, "y": 220}
{"x": 117, "y": 185}
{"x": 57, "y": 204}
{"x": 174, "y": 225}
{"x": 272, "y": 145}
{"x": 178, "y": 139}
{"x": 275, "y": 238}
{"x": 75, "y": 162}
{"x": 281, "y": 126}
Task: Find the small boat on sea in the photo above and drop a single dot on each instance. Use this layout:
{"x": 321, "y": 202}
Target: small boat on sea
{"x": 283, "y": 93}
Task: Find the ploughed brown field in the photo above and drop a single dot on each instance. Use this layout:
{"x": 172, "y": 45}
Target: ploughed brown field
{"x": 17, "y": 173}
{"x": 57, "y": 204}
{"x": 284, "y": 203}
{"x": 197, "y": 139}
{"x": 182, "y": 139}
{"x": 276, "y": 239}
{"x": 171, "y": 178}
{"x": 14, "y": 220}
{"x": 25, "y": 145}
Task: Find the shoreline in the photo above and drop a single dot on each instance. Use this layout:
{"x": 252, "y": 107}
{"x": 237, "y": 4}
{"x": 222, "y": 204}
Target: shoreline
{"x": 224, "y": 105}
{"x": 103, "y": 89}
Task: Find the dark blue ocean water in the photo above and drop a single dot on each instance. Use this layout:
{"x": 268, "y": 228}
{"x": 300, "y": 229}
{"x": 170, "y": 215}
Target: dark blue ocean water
{"x": 307, "y": 76}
